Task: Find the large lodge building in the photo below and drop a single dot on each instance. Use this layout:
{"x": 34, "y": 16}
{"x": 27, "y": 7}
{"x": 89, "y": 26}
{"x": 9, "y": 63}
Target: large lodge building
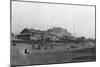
{"x": 31, "y": 34}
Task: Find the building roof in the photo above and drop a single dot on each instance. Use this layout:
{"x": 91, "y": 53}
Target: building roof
{"x": 27, "y": 30}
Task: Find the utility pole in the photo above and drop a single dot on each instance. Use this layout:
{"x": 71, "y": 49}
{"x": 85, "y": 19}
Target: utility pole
{"x": 74, "y": 29}
{"x": 74, "y": 32}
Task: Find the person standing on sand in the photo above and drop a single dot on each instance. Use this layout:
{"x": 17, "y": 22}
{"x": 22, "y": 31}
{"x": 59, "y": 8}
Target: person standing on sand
{"x": 14, "y": 44}
{"x": 26, "y": 51}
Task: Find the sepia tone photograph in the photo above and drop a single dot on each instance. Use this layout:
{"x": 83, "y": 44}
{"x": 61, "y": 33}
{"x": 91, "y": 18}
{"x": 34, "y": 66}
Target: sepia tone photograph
{"x": 52, "y": 33}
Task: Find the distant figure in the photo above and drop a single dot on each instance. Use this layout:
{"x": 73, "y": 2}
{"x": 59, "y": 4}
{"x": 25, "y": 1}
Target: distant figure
{"x": 14, "y": 44}
{"x": 26, "y": 51}
{"x": 12, "y": 66}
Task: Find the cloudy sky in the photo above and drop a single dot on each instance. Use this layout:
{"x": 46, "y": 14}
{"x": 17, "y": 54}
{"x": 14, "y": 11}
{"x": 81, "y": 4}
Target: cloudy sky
{"x": 78, "y": 20}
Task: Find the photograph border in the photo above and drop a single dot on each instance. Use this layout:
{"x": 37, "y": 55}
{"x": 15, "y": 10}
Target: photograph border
{"x": 48, "y": 3}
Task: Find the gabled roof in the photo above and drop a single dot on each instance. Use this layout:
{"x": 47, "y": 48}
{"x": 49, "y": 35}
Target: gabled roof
{"x": 27, "y": 30}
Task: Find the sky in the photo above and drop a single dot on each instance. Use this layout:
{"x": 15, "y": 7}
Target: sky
{"x": 78, "y": 20}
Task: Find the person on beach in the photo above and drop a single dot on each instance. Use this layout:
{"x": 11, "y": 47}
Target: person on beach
{"x": 26, "y": 51}
{"x": 14, "y": 44}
